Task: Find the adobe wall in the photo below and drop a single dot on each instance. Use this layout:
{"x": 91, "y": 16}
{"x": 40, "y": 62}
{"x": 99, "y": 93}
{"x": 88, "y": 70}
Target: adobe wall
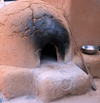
{"x": 84, "y": 17}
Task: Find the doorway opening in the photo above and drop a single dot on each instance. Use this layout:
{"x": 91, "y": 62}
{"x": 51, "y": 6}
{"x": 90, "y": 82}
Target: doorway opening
{"x": 48, "y": 53}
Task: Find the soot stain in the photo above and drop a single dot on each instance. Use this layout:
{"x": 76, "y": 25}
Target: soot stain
{"x": 48, "y": 30}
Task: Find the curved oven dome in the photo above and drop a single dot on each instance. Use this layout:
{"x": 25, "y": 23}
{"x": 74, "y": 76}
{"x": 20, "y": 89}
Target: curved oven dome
{"x": 26, "y": 28}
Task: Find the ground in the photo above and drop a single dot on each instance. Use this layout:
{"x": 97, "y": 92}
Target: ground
{"x": 90, "y": 97}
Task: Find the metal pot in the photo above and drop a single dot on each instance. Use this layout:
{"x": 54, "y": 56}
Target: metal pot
{"x": 89, "y": 49}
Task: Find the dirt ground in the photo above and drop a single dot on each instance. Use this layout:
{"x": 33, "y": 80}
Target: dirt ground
{"x": 90, "y": 97}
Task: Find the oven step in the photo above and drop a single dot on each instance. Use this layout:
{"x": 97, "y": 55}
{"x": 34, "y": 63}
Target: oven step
{"x": 47, "y": 83}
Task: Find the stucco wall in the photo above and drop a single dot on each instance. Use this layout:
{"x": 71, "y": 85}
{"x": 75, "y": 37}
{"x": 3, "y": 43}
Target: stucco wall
{"x": 84, "y": 18}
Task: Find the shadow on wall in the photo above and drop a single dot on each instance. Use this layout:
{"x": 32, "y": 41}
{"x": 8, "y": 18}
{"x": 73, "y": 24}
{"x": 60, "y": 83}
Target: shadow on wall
{"x": 83, "y": 16}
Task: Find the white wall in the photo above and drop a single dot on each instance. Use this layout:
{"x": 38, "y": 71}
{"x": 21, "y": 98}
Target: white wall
{"x": 1, "y": 3}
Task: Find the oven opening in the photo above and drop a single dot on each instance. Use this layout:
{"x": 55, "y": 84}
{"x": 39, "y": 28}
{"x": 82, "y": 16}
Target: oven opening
{"x": 48, "y": 53}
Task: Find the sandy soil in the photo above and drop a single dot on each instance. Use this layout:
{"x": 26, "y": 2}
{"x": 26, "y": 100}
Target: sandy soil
{"x": 90, "y": 97}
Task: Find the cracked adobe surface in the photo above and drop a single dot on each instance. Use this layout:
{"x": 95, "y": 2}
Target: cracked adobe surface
{"x": 27, "y": 26}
